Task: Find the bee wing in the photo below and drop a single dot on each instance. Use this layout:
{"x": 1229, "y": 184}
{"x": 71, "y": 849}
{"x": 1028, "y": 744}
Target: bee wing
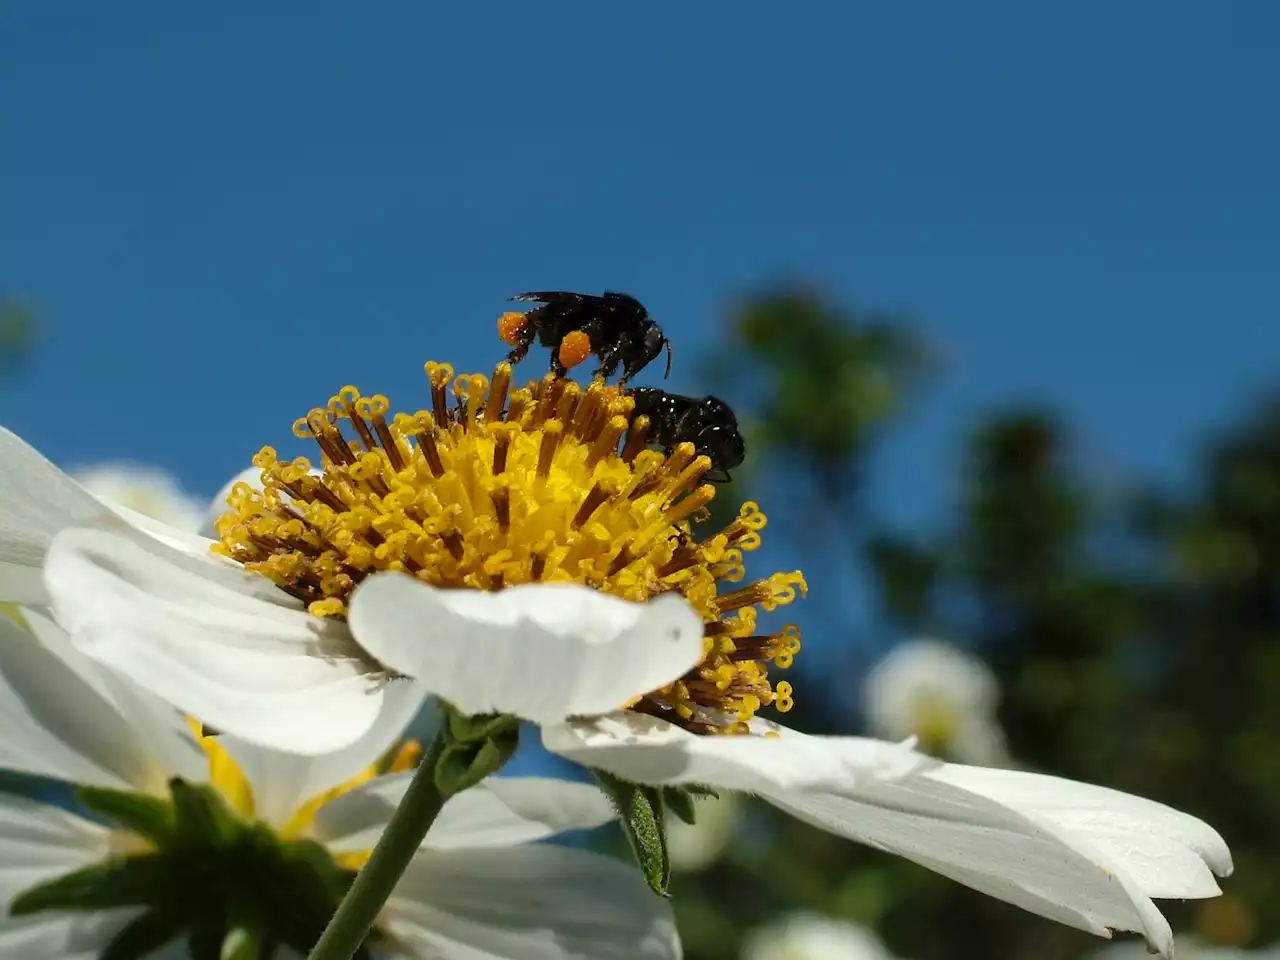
{"x": 554, "y": 296}
{"x": 616, "y": 299}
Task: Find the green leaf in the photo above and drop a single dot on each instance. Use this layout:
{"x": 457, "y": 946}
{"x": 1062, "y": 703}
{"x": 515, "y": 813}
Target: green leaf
{"x": 144, "y": 815}
{"x": 144, "y": 935}
{"x": 640, "y": 809}
{"x": 114, "y": 883}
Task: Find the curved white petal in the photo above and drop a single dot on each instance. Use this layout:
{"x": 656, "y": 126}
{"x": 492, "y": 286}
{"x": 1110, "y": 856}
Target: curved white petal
{"x": 1169, "y": 854}
{"x": 282, "y": 782}
{"x": 646, "y": 749}
{"x": 189, "y": 632}
{"x": 160, "y": 731}
{"x": 993, "y": 848}
{"x": 542, "y": 652}
{"x": 500, "y": 811}
{"x": 37, "y": 500}
{"x": 528, "y": 903}
{"x": 58, "y": 718}
{"x": 39, "y": 843}
{"x": 68, "y": 936}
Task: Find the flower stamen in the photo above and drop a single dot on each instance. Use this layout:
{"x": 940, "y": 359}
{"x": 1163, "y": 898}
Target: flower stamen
{"x": 512, "y": 486}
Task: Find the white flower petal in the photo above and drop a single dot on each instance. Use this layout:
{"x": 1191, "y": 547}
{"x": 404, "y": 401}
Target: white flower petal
{"x": 160, "y": 732}
{"x": 67, "y": 936}
{"x": 646, "y": 749}
{"x": 500, "y": 811}
{"x": 528, "y": 903}
{"x": 37, "y": 500}
{"x": 39, "y": 843}
{"x": 992, "y": 848}
{"x": 282, "y": 782}
{"x": 57, "y": 721}
{"x": 1169, "y": 854}
{"x": 542, "y": 652}
{"x": 190, "y": 633}
{"x": 142, "y": 489}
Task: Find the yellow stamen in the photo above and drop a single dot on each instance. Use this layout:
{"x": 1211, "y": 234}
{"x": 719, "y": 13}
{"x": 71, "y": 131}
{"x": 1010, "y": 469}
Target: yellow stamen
{"x": 467, "y": 495}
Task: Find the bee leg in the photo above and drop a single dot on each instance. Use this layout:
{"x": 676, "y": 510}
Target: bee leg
{"x": 526, "y": 335}
{"x": 558, "y": 369}
{"x": 609, "y": 363}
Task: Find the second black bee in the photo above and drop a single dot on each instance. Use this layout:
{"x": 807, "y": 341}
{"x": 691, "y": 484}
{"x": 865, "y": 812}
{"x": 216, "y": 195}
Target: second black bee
{"x": 706, "y": 422}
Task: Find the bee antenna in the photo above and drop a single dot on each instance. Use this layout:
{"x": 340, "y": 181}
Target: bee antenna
{"x": 667, "y": 344}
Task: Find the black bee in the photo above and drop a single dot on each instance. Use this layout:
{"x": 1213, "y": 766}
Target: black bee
{"x": 617, "y": 329}
{"x": 706, "y": 422}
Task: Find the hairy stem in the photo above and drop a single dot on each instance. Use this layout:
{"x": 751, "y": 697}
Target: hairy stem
{"x": 373, "y": 885}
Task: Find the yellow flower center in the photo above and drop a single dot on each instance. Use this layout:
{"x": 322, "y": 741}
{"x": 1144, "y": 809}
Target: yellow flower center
{"x": 545, "y": 483}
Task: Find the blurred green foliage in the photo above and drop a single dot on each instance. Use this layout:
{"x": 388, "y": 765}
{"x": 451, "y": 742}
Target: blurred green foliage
{"x": 19, "y": 330}
{"x": 1134, "y": 636}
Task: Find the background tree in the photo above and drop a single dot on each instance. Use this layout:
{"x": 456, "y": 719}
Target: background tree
{"x": 1134, "y": 637}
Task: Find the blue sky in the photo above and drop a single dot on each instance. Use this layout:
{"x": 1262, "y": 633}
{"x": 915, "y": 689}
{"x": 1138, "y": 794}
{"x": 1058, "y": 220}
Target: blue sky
{"x": 225, "y": 216}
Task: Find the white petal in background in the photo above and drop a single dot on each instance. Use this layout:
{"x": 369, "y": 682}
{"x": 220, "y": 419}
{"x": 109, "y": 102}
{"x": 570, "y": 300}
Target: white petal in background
{"x": 1170, "y": 854}
{"x": 187, "y": 631}
{"x": 282, "y": 782}
{"x": 500, "y": 811}
{"x": 1023, "y": 857}
{"x": 69, "y": 936}
{"x": 39, "y": 843}
{"x": 1082, "y": 855}
{"x": 535, "y": 902}
{"x": 542, "y": 652}
{"x": 58, "y": 718}
{"x": 649, "y": 750}
{"x": 37, "y": 500}
{"x": 146, "y": 490}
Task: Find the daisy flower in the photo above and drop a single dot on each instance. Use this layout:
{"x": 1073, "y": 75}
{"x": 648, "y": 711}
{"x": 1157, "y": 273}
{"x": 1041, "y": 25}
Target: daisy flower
{"x": 197, "y": 843}
{"x": 940, "y": 694}
{"x": 811, "y": 936}
{"x": 522, "y": 552}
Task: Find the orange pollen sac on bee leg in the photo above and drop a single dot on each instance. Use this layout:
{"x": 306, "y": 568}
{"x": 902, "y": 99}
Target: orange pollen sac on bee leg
{"x": 574, "y": 348}
{"x": 510, "y": 326}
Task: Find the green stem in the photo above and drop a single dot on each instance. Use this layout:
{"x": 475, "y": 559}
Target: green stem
{"x": 400, "y": 841}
